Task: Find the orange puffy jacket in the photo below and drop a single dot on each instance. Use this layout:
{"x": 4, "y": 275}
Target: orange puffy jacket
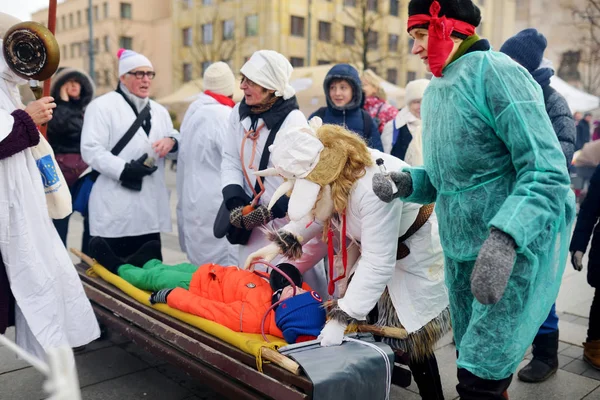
{"x": 235, "y": 298}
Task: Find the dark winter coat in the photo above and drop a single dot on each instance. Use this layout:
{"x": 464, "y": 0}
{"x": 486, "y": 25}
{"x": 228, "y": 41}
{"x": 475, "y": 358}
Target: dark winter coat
{"x": 64, "y": 129}
{"x": 351, "y": 116}
{"x": 587, "y": 222}
{"x": 583, "y": 134}
{"x": 562, "y": 121}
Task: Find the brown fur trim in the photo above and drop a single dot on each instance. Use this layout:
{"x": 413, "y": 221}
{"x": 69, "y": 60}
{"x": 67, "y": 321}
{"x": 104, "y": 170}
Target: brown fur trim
{"x": 337, "y": 314}
{"x": 288, "y": 243}
{"x": 419, "y": 344}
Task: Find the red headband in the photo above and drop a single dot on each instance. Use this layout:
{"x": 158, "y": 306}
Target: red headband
{"x": 439, "y": 44}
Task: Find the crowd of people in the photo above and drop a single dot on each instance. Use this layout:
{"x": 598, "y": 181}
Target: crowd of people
{"x": 454, "y": 212}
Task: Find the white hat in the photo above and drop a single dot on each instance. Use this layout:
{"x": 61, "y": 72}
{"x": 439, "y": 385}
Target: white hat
{"x": 270, "y": 70}
{"x": 130, "y": 60}
{"x": 415, "y": 90}
{"x": 219, "y": 79}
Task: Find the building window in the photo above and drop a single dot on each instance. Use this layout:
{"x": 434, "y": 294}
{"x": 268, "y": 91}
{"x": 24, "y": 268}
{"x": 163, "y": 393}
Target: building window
{"x": 207, "y": 33}
{"x": 107, "y": 79}
{"x": 84, "y": 48}
{"x": 96, "y": 13}
{"x": 350, "y": 3}
{"x": 393, "y": 42}
{"x": 64, "y": 50}
{"x": 96, "y": 46}
{"x": 323, "y": 62}
{"x": 252, "y": 25}
{"x": 125, "y": 42}
{"x": 187, "y": 37}
{"x": 105, "y": 9}
{"x": 78, "y": 18}
{"x": 228, "y": 27}
{"x": 71, "y": 24}
{"x": 205, "y": 64}
{"x": 394, "y": 9}
{"x": 349, "y": 35}
{"x": 324, "y": 31}
{"x": 411, "y": 43}
{"x": 187, "y": 72}
{"x": 297, "y": 26}
{"x": 73, "y": 48}
{"x": 372, "y": 40}
{"x": 106, "y": 43}
{"x": 63, "y": 21}
{"x": 207, "y": 2}
{"x": 372, "y": 5}
{"x": 297, "y": 61}
{"x": 411, "y": 76}
{"x": 125, "y": 10}
{"x": 187, "y": 4}
{"x": 392, "y": 75}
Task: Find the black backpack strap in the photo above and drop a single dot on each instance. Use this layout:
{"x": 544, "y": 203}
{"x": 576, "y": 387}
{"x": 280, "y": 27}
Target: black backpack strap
{"x": 131, "y": 131}
{"x": 146, "y": 123}
{"x": 367, "y": 125}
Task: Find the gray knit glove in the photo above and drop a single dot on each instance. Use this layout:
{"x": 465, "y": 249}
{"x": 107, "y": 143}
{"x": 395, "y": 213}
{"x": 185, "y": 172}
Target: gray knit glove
{"x": 493, "y": 267}
{"x": 383, "y": 188}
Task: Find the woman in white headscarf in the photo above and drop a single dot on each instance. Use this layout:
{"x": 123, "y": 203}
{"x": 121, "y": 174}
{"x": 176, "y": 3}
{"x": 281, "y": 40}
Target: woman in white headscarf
{"x": 49, "y": 306}
{"x": 401, "y": 137}
{"x": 269, "y": 105}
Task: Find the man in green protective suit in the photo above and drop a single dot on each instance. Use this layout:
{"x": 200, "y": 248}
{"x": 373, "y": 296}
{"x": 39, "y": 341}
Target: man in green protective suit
{"x": 494, "y": 167}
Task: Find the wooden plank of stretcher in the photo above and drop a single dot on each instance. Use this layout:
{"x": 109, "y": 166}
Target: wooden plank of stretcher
{"x": 195, "y": 349}
{"x": 273, "y": 370}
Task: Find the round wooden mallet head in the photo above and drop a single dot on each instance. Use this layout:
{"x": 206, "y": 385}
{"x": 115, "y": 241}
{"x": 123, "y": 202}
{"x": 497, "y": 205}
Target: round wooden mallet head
{"x": 31, "y": 51}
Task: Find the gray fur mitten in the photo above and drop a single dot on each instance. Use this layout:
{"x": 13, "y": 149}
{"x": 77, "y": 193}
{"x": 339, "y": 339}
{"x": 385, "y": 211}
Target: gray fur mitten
{"x": 493, "y": 267}
{"x": 384, "y": 189}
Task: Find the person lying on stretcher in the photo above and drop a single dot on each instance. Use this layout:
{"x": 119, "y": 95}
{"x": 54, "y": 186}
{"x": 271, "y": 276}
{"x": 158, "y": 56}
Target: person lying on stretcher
{"x": 232, "y": 297}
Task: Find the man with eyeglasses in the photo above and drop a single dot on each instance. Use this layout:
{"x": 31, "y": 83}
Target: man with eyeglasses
{"x": 129, "y": 202}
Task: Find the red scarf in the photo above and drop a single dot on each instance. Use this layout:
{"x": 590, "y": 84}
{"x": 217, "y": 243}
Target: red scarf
{"x": 226, "y": 101}
{"x": 439, "y": 45}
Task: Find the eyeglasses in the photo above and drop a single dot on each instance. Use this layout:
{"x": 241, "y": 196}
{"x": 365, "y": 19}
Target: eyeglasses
{"x": 248, "y": 82}
{"x": 140, "y": 74}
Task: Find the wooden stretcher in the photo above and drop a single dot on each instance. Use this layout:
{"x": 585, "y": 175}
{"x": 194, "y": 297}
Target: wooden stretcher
{"x": 221, "y": 366}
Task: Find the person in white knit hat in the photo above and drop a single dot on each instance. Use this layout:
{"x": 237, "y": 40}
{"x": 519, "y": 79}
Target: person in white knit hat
{"x": 129, "y": 202}
{"x": 203, "y": 132}
{"x": 269, "y": 105}
{"x": 401, "y": 137}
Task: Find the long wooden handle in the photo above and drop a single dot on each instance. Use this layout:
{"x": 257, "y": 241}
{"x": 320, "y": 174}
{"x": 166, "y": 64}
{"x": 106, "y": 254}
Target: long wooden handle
{"x": 51, "y": 28}
{"x": 385, "y": 331}
{"x": 84, "y": 257}
{"x": 277, "y": 358}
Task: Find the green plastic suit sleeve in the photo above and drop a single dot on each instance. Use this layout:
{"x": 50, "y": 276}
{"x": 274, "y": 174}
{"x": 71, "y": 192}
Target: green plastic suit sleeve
{"x": 522, "y": 123}
{"x": 423, "y": 190}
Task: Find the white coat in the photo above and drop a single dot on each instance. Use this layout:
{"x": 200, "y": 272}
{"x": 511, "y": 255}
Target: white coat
{"x": 52, "y": 309}
{"x": 232, "y": 174}
{"x": 415, "y": 283}
{"x": 115, "y": 211}
{"x": 203, "y": 132}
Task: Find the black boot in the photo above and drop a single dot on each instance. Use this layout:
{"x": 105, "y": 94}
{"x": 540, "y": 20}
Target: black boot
{"x": 545, "y": 359}
{"x": 472, "y": 387}
{"x": 149, "y": 251}
{"x": 101, "y": 251}
{"x": 427, "y": 377}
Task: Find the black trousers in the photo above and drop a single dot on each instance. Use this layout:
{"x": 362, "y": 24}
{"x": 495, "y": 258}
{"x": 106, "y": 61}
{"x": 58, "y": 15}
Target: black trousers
{"x": 125, "y": 246}
{"x": 427, "y": 377}
{"x": 594, "y": 324}
{"x": 62, "y": 227}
